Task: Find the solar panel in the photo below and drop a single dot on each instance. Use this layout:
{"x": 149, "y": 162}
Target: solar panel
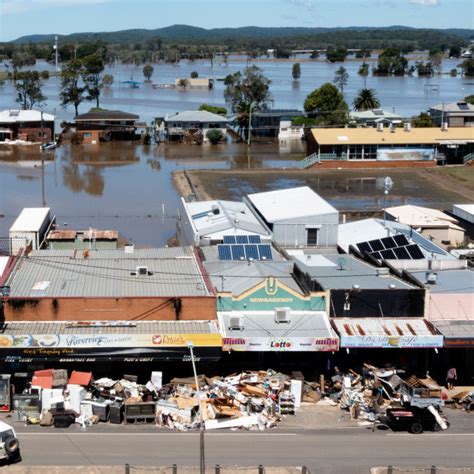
{"x": 224, "y": 252}
{"x": 422, "y": 242}
{"x": 364, "y": 247}
{"x": 229, "y": 239}
{"x": 265, "y": 251}
{"x": 389, "y": 242}
{"x": 376, "y": 255}
{"x": 415, "y": 252}
{"x": 401, "y": 240}
{"x": 251, "y": 251}
{"x": 254, "y": 239}
{"x": 388, "y": 254}
{"x": 376, "y": 245}
{"x": 402, "y": 253}
{"x": 242, "y": 239}
{"x": 238, "y": 252}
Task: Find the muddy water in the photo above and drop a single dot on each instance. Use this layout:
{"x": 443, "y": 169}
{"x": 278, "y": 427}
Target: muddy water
{"x": 119, "y": 186}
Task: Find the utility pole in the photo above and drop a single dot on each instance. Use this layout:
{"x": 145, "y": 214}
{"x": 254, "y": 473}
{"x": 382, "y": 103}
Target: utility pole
{"x": 56, "y": 58}
{"x": 43, "y": 203}
{"x": 249, "y": 138}
{"x": 202, "y": 461}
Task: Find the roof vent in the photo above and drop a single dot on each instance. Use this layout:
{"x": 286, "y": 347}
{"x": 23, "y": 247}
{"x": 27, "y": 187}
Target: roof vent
{"x": 282, "y": 315}
{"x": 236, "y": 323}
{"x": 383, "y": 272}
{"x": 141, "y": 271}
{"x": 355, "y": 286}
{"x": 392, "y": 286}
{"x": 129, "y": 248}
{"x": 407, "y": 127}
{"x": 14, "y": 113}
{"x": 215, "y": 209}
{"x": 380, "y": 127}
{"x": 431, "y": 278}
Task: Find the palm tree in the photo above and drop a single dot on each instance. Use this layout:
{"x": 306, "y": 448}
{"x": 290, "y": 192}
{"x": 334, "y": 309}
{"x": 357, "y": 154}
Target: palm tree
{"x": 366, "y": 100}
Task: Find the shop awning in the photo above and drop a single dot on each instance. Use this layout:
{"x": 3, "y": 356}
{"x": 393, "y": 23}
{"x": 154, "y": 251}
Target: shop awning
{"x": 457, "y": 333}
{"x": 91, "y": 341}
{"x": 386, "y": 333}
{"x": 276, "y": 331}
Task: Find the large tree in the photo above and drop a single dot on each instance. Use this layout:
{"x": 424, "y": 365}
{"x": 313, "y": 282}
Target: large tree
{"x": 28, "y": 86}
{"x": 93, "y": 67}
{"x": 364, "y": 72}
{"x": 247, "y": 92}
{"x": 341, "y": 77}
{"x": 423, "y": 121}
{"x": 71, "y": 89}
{"x": 148, "y": 71}
{"x": 365, "y": 100}
{"x": 327, "y": 105}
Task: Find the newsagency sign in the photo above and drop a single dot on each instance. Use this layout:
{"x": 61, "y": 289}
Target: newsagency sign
{"x": 91, "y": 347}
{"x": 280, "y": 344}
{"x": 391, "y": 342}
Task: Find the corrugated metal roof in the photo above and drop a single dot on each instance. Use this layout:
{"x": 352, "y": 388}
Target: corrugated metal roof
{"x": 262, "y": 324}
{"x": 105, "y": 115}
{"x": 292, "y": 203}
{"x": 141, "y": 327}
{"x": 237, "y": 277}
{"x": 343, "y": 271}
{"x": 455, "y": 328}
{"x": 417, "y": 216}
{"x": 382, "y": 327}
{"x": 371, "y": 136}
{"x": 108, "y": 273}
{"x": 30, "y": 219}
{"x": 465, "y": 108}
{"x": 454, "y": 281}
{"x": 11, "y": 116}
{"x": 62, "y": 235}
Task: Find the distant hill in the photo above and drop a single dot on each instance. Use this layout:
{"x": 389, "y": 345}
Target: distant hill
{"x": 185, "y": 32}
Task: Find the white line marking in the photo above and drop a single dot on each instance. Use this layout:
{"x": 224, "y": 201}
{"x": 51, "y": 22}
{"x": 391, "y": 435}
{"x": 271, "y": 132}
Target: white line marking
{"x": 151, "y": 434}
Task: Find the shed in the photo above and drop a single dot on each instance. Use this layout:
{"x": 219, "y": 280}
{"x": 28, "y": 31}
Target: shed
{"x": 29, "y": 228}
{"x": 298, "y": 217}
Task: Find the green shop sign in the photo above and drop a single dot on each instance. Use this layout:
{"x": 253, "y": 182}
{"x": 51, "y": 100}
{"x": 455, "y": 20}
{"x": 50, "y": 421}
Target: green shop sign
{"x": 267, "y": 296}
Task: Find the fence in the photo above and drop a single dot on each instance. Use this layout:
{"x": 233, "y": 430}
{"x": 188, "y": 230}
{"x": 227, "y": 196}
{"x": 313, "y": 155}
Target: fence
{"x": 217, "y": 469}
{"x": 315, "y": 158}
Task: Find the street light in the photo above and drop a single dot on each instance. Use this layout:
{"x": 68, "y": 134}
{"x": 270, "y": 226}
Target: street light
{"x": 202, "y": 461}
{"x": 252, "y": 106}
{"x": 387, "y": 186}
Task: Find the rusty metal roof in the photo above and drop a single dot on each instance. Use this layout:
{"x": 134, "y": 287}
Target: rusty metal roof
{"x": 62, "y": 235}
{"x": 101, "y": 234}
{"x": 383, "y": 327}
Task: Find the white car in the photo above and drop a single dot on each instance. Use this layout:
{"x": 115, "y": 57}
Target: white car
{"x": 9, "y": 444}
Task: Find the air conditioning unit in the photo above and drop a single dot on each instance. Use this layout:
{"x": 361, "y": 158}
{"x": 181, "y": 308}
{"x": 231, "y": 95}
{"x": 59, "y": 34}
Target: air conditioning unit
{"x": 407, "y": 126}
{"x": 444, "y": 127}
{"x": 236, "y": 323}
{"x": 142, "y": 271}
{"x": 380, "y": 127}
{"x": 282, "y": 315}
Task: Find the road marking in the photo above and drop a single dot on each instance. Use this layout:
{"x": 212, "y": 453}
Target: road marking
{"x": 20, "y": 434}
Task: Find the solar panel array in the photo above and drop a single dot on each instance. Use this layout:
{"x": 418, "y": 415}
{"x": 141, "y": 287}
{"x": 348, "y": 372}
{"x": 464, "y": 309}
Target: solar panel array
{"x": 422, "y": 241}
{"x": 392, "y": 248}
{"x": 242, "y": 239}
{"x": 245, "y": 252}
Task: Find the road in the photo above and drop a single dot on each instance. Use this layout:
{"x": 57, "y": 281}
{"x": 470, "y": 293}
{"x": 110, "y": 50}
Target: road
{"x": 322, "y": 451}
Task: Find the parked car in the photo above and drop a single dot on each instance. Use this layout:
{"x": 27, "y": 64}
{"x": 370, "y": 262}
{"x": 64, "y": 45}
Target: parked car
{"x": 48, "y": 146}
{"x": 9, "y": 444}
{"x": 412, "y": 419}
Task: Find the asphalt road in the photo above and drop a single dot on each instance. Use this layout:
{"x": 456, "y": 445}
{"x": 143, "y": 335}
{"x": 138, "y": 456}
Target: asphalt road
{"x": 322, "y": 451}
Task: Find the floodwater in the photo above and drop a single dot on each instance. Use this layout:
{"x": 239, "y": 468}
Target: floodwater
{"x": 406, "y": 96}
{"x": 121, "y": 186}
{"x": 128, "y": 187}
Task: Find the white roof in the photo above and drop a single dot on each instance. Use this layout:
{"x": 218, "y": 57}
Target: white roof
{"x": 417, "y": 216}
{"x": 197, "y": 116}
{"x": 30, "y": 219}
{"x": 469, "y": 208}
{"x": 234, "y": 218}
{"x": 9, "y": 116}
{"x": 290, "y": 203}
{"x": 3, "y": 264}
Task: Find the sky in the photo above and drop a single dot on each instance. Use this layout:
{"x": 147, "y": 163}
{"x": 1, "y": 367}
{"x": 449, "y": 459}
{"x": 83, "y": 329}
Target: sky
{"x": 25, "y": 17}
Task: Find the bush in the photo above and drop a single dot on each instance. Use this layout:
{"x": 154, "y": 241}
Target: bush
{"x": 44, "y": 75}
{"x": 214, "y": 109}
{"x": 194, "y": 75}
{"x": 215, "y": 135}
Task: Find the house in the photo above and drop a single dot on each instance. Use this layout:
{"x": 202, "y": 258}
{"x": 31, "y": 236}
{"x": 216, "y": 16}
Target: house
{"x": 261, "y": 307}
{"x": 194, "y": 122}
{"x": 208, "y": 222}
{"x": 105, "y": 125}
{"x": 297, "y": 217}
{"x": 433, "y": 224}
{"x": 27, "y": 125}
{"x": 392, "y": 147}
{"x": 196, "y": 82}
{"x": 288, "y": 131}
{"x": 455, "y": 114}
{"x": 267, "y": 123}
{"x": 370, "y": 118}
{"x": 124, "y": 284}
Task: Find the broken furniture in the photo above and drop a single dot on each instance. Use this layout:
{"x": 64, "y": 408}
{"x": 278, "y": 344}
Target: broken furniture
{"x": 141, "y": 412}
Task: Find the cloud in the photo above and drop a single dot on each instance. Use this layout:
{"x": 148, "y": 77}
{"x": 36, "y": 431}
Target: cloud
{"x": 19, "y": 6}
{"x": 426, "y": 3}
{"x": 307, "y": 4}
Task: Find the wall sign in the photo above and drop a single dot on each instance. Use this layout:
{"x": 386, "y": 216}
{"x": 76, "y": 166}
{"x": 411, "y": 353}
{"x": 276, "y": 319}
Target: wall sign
{"x": 283, "y": 344}
{"x": 387, "y": 342}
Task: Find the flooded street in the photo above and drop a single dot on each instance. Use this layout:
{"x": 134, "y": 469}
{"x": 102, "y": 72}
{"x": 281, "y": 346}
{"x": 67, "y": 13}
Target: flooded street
{"x": 120, "y": 186}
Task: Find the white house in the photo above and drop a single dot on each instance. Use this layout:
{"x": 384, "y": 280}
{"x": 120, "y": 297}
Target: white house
{"x": 202, "y": 121}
